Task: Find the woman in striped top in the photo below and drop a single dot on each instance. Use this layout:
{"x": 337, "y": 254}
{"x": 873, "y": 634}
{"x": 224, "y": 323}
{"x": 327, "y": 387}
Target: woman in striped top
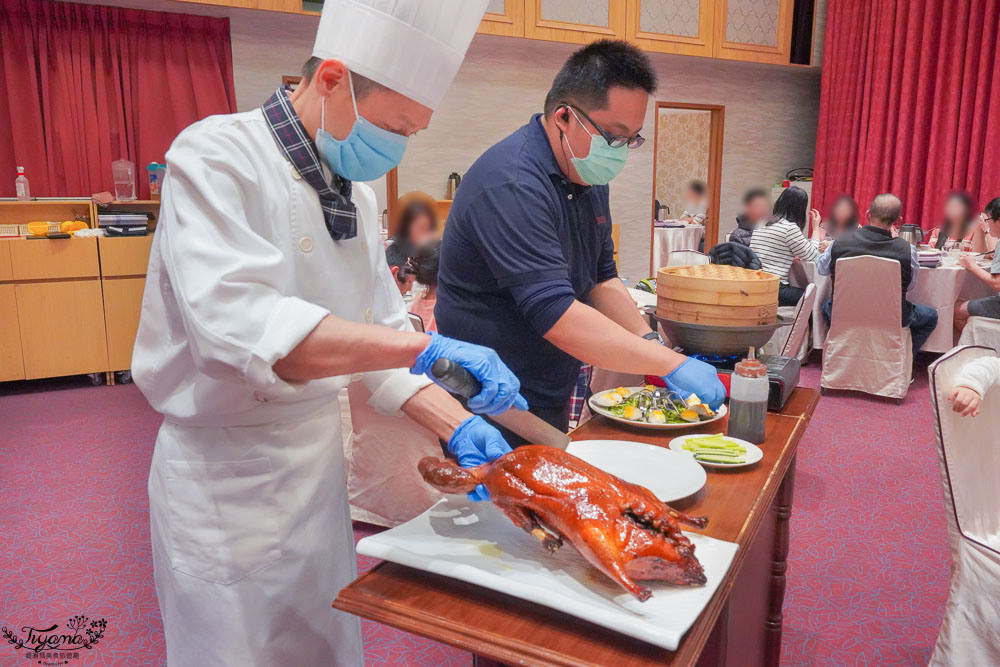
{"x": 780, "y": 240}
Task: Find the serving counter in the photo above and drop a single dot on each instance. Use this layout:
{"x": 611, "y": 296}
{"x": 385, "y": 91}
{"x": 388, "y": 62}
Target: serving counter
{"x": 68, "y": 306}
{"x": 741, "y": 624}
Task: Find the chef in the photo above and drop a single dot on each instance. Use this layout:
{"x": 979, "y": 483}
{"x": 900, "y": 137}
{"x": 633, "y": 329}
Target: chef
{"x": 267, "y": 293}
{"x": 527, "y": 262}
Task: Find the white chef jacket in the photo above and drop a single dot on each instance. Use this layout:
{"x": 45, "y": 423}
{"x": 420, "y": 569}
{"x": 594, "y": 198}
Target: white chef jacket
{"x": 249, "y": 515}
{"x": 242, "y": 269}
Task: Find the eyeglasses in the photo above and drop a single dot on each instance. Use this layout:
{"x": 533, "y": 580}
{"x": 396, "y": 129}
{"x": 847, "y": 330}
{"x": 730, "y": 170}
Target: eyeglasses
{"x": 615, "y": 141}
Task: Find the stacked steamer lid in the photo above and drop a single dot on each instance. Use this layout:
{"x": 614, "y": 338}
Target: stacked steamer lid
{"x": 717, "y": 294}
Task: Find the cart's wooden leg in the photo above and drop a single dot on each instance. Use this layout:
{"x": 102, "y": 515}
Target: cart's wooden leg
{"x": 779, "y": 566}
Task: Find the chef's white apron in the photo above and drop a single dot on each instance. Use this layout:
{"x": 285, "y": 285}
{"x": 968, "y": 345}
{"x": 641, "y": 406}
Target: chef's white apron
{"x": 249, "y": 515}
{"x": 250, "y": 518}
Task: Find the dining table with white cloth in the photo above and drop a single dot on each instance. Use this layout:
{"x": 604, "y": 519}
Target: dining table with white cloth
{"x": 939, "y": 287}
{"x": 668, "y": 239}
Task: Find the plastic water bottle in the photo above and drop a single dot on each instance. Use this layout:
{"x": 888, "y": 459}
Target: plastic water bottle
{"x": 748, "y": 400}
{"x": 21, "y": 186}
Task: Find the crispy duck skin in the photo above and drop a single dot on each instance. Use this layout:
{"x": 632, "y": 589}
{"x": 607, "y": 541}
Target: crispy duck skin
{"x": 622, "y": 529}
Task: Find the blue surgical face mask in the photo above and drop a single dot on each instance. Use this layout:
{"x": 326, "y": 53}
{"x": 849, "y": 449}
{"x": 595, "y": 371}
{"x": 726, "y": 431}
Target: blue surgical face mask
{"x": 367, "y": 153}
{"x": 602, "y": 163}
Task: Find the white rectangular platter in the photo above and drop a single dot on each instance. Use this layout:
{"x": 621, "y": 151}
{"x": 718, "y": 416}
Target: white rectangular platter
{"x": 476, "y": 543}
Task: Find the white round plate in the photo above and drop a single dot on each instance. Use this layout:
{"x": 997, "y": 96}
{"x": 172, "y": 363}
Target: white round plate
{"x": 754, "y": 453}
{"x": 669, "y": 475}
{"x": 604, "y": 412}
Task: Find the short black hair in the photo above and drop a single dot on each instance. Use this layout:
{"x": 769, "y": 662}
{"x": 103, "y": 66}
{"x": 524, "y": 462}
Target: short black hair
{"x": 754, "y": 193}
{"x": 697, "y": 186}
{"x": 424, "y": 262}
{"x": 362, "y": 85}
{"x": 396, "y": 255}
{"x": 992, "y": 209}
{"x": 591, "y": 72}
{"x": 886, "y": 208}
{"x": 792, "y": 205}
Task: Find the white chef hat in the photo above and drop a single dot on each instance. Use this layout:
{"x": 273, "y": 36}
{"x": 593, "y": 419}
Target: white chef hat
{"x": 413, "y": 47}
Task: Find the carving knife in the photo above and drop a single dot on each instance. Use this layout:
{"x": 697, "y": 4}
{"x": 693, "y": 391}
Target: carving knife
{"x": 530, "y": 427}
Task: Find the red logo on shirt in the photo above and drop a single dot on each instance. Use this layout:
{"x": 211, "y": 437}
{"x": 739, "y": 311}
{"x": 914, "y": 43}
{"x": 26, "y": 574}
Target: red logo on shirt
{"x": 601, "y": 219}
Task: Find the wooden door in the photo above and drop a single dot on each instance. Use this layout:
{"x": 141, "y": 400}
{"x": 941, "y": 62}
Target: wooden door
{"x": 53, "y": 259}
{"x": 503, "y": 17}
{"x": 123, "y": 278}
{"x": 671, "y": 26}
{"x": 62, "y": 327}
{"x": 754, "y": 30}
{"x": 125, "y": 256}
{"x": 122, "y": 306}
{"x": 11, "y": 362}
{"x": 574, "y": 21}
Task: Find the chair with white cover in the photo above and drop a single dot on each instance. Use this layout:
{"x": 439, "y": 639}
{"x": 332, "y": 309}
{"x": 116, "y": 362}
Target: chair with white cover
{"x": 868, "y": 349}
{"x": 790, "y": 340}
{"x": 969, "y": 455}
{"x": 381, "y": 455}
{"x": 416, "y": 322}
{"x": 686, "y": 258}
{"x": 981, "y": 331}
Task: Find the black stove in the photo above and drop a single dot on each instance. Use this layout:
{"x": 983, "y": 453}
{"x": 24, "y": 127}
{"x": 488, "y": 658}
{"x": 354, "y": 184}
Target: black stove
{"x": 782, "y": 374}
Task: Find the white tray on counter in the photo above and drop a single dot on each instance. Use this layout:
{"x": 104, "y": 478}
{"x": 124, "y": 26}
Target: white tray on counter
{"x": 476, "y": 543}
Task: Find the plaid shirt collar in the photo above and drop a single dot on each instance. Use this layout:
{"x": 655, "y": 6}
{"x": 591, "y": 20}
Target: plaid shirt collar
{"x": 338, "y": 209}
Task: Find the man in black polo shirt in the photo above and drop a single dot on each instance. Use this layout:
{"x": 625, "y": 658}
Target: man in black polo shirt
{"x": 527, "y": 261}
{"x": 876, "y": 239}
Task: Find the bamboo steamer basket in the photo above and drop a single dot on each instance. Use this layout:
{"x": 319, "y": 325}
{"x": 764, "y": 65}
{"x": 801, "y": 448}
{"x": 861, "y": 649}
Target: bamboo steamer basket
{"x": 717, "y": 294}
{"x": 701, "y": 313}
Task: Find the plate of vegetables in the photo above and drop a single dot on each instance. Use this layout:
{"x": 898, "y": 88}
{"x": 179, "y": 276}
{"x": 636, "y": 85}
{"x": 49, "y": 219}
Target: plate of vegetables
{"x": 718, "y": 450}
{"x": 653, "y": 407}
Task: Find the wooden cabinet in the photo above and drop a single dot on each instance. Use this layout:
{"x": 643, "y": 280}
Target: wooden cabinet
{"x": 13, "y": 212}
{"x": 503, "y": 17}
{"x": 53, "y": 259}
{"x": 62, "y": 328}
{"x": 6, "y": 270}
{"x": 124, "y": 256}
{"x": 60, "y": 310}
{"x": 68, "y": 306}
{"x": 122, "y": 306}
{"x": 671, "y": 26}
{"x": 123, "y": 278}
{"x": 754, "y": 30}
{"x": 573, "y": 21}
{"x": 11, "y": 363}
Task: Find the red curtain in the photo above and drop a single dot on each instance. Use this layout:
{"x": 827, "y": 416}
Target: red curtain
{"x": 84, "y": 85}
{"x": 909, "y": 104}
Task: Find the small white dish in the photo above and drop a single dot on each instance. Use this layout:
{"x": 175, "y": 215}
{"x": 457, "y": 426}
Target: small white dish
{"x": 754, "y": 453}
{"x": 669, "y": 476}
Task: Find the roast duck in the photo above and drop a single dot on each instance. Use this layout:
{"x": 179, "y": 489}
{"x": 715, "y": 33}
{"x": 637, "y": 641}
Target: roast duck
{"x": 622, "y": 529}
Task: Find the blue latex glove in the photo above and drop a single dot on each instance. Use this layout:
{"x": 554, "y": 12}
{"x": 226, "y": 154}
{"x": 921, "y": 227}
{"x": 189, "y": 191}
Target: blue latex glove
{"x": 500, "y": 386}
{"x": 696, "y": 377}
{"x": 474, "y": 443}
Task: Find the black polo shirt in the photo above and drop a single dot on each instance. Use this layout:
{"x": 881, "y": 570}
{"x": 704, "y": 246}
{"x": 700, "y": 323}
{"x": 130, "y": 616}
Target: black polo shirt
{"x": 522, "y": 242}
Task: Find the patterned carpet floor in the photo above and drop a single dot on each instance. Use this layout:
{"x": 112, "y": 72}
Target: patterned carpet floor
{"x": 868, "y": 564}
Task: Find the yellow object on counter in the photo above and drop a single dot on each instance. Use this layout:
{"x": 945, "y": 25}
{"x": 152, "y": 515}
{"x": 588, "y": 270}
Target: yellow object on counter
{"x": 71, "y": 226}
{"x": 38, "y": 228}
